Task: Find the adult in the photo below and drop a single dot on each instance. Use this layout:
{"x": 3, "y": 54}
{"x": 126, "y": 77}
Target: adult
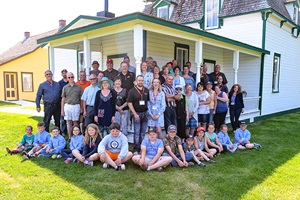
{"x": 82, "y": 82}
{"x": 63, "y": 82}
{"x": 99, "y": 77}
{"x": 151, "y": 154}
{"x": 178, "y": 80}
{"x": 157, "y": 75}
{"x": 156, "y": 107}
{"x": 236, "y": 105}
{"x": 165, "y": 71}
{"x": 223, "y": 87}
{"x": 70, "y": 102}
{"x": 110, "y": 72}
{"x": 189, "y": 65}
{"x": 192, "y": 104}
{"x": 173, "y": 148}
{"x": 122, "y": 112}
{"x": 148, "y": 76}
{"x": 95, "y": 66}
{"x": 174, "y": 64}
{"x": 130, "y": 68}
{"x": 220, "y": 108}
{"x": 50, "y": 91}
{"x": 127, "y": 77}
{"x": 215, "y": 74}
{"x": 213, "y": 101}
{"x": 88, "y": 100}
{"x": 137, "y": 100}
{"x": 204, "y": 101}
{"x": 188, "y": 79}
{"x": 105, "y": 106}
{"x": 149, "y": 61}
{"x": 205, "y": 77}
{"x": 171, "y": 96}
{"x": 181, "y": 112}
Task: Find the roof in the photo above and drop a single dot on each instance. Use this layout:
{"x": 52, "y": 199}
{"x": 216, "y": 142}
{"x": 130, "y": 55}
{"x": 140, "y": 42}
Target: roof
{"x": 23, "y": 47}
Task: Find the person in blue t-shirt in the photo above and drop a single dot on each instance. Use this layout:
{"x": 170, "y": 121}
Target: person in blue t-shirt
{"x": 151, "y": 151}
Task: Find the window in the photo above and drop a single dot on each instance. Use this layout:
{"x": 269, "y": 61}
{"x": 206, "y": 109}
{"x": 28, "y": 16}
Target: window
{"x": 295, "y": 15}
{"x": 162, "y": 12}
{"x": 181, "y": 54}
{"x": 276, "y": 70}
{"x": 212, "y": 12}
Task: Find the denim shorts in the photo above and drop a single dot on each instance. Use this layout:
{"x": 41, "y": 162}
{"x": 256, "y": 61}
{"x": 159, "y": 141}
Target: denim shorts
{"x": 192, "y": 123}
{"x": 203, "y": 118}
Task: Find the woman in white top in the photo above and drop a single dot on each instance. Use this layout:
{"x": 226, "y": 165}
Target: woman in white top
{"x": 192, "y": 101}
{"x": 178, "y": 80}
{"x": 204, "y": 100}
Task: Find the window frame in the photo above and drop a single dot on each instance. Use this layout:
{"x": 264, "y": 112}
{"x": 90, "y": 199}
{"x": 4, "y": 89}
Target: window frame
{"x": 276, "y": 73}
{"x": 206, "y": 14}
{"x": 161, "y": 8}
{"x": 182, "y": 47}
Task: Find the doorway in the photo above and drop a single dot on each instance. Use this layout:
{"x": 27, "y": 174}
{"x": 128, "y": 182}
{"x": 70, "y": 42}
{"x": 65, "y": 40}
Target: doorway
{"x": 10, "y": 86}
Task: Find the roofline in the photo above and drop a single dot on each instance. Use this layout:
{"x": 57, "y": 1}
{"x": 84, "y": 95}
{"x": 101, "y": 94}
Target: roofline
{"x": 141, "y": 16}
{"x": 20, "y": 56}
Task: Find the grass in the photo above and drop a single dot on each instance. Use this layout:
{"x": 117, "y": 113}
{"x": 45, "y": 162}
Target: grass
{"x": 4, "y": 104}
{"x": 268, "y": 173}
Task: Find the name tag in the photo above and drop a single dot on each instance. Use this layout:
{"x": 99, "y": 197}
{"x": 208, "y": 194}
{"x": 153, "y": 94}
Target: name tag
{"x": 142, "y": 102}
{"x": 154, "y": 107}
{"x": 215, "y": 82}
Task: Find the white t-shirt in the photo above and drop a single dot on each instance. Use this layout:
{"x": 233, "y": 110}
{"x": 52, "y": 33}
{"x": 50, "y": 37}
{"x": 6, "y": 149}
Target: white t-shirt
{"x": 203, "y": 109}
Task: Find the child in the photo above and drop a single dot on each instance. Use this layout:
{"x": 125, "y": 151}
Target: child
{"x": 212, "y": 140}
{"x": 225, "y": 140}
{"x": 91, "y": 141}
{"x": 76, "y": 145}
{"x": 56, "y": 144}
{"x": 113, "y": 149}
{"x": 242, "y": 138}
{"x": 26, "y": 144}
{"x": 189, "y": 146}
{"x": 201, "y": 148}
{"x": 41, "y": 140}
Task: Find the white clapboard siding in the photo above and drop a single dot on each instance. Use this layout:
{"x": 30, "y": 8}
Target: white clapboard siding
{"x": 64, "y": 59}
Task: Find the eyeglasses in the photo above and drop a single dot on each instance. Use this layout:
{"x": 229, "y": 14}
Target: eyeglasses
{"x": 70, "y": 77}
{"x": 76, "y": 130}
{"x": 49, "y": 74}
{"x": 92, "y": 79}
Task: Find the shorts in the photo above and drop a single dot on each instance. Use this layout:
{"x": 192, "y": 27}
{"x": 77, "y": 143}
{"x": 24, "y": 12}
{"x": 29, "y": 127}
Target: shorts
{"x": 113, "y": 156}
{"x": 192, "y": 123}
{"x": 203, "y": 118}
{"x": 72, "y": 112}
{"x": 149, "y": 158}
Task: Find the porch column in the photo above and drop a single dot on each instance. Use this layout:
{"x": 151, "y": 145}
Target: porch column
{"x": 138, "y": 46}
{"x": 101, "y": 59}
{"x": 87, "y": 56}
{"x": 51, "y": 60}
{"x": 236, "y": 60}
{"x": 198, "y": 58}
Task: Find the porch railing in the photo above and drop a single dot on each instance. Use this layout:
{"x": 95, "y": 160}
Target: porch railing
{"x": 251, "y": 104}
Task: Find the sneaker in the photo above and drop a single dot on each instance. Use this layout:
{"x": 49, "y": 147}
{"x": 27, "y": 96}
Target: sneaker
{"x": 24, "y": 153}
{"x": 105, "y": 165}
{"x": 68, "y": 160}
{"x": 122, "y": 167}
{"x": 91, "y": 163}
{"x": 257, "y": 145}
{"x": 136, "y": 153}
{"x": 144, "y": 167}
{"x": 35, "y": 155}
{"x": 160, "y": 169}
{"x": 75, "y": 160}
{"x": 211, "y": 161}
{"x": 58, "y": 156}
{"x": 191, "y": 164}
{"x": 201, "y": 164}
{"x": 8, "y": 150}
{"x": 54, "y": 156}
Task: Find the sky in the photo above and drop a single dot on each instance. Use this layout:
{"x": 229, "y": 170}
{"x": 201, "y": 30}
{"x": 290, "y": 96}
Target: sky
{"x": 39, "y": 16}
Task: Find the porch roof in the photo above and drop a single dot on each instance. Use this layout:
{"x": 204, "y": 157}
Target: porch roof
{"x": 139, "y": 18}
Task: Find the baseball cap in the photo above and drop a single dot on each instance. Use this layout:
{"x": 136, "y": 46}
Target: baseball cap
{"x": 243, "y": 123}
{"x": 209, "y": 83}
{"x": 109, "y": 61}
{"x": 190, "y": 137}
{"x": 172, "y": 128}
{"x": 200, "y": 129}
{"x": 95, "y": 62}
{"x": 178, "y": 87}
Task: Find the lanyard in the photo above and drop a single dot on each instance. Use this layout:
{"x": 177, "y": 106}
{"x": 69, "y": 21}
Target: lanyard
{"x": 141, "y": 94}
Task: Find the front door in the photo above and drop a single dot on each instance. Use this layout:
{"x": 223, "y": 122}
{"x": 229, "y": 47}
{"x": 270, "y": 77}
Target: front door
{"x": 11, "y": 86}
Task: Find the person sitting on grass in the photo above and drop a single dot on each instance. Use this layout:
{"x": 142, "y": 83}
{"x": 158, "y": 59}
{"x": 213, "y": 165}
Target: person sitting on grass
{"x": 202, "y": 151}
{"x": 26, "y": 144}
{"x": 212, "y": 140}
{"x": 189, "y": 146}
{"x": 113, "y": 149}
{"x": 173, "y": 148}
{"x": 41, "y": 140}
{"x": 56, "y": 144}
{"x": 242, "y": 138}
{"x": 91, "y": 141}
{"x": 151, "y": 154}
{"x": 76, "y": 145}
{"x": 225, "y": 139}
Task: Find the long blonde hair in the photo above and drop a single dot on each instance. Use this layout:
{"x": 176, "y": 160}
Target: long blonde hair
{"x": 87, "y": 137}
{"x": 159, "y": 87}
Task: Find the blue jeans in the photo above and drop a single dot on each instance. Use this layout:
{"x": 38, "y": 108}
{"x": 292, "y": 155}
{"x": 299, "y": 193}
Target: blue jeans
{"x": 211, "y": 116}
{"x": 66, "y": 153}
{"x": 43, "y": 152}
{"x": 122, "y": 119}
{"x": 140, "y": 130}
{"x": 170, "y": 117}
{"x": 188, "y": 157}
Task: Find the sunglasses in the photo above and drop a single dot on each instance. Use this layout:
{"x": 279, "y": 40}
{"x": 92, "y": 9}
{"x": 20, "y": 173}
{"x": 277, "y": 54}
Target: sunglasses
{"x": 49, "y": 74}
{"x": 70, "y": 77}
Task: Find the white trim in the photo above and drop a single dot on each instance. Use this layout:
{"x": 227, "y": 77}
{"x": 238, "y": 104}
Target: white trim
{"x": 198, "y": 57}
{"x": 87, "y": 54}
{"x": 236, "y": 59}
{"x": 138, "y": 46}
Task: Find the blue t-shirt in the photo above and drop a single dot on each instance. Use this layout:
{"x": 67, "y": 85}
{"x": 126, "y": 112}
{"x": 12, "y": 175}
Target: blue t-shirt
{"x": 152, "y": 148}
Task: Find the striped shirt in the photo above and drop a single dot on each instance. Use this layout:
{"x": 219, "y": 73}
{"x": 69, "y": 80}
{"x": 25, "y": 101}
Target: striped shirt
{"x": 169, "y": 90}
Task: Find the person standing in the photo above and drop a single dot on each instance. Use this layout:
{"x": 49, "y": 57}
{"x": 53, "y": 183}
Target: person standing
{"x": 95, "y": 66}
{"x": 63, "y": 82}
{"x": 214, "y": 76}
{"x": 236, "y": 105}
{"x": 110, "y": 72}
{"x": 137, "y": 100}
{"x": 82, "y": 80}
{"x": 50, "y": 91}
{"x": 220, "y": 108}
{"x": 70, "y": 102}
{"x": 130, "y": 68}
{"x": 127, "y": 78}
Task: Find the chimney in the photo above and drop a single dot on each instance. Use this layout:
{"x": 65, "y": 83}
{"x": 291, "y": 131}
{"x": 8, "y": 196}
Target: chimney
{"x": 62, "y": 24}
{"x": 26, "y": 36}
{"x": 105, "y": 13}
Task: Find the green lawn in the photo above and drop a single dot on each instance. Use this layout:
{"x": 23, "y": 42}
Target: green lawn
{"x": 268, "y": 173}
{"x": 4, "y": 104}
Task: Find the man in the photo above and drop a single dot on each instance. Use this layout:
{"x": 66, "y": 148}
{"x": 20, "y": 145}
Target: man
{"x": 63, "y": 82}
{"x": 151, "y": 151}
{"x": 138, "y": 104}
{"x": 214, "y": 75}
{"x": 70, "y": 102}
{"x": 95, "y": 66}
{"x": 127, "y": 78}
{"x": 50, "y": 91}
{"x": 82, "y": 82}
{"x": 174, "y": 64}
{"x": 189, "y": 64}
{"x": 110, "y": 72}
{"x": 224, "y": 88}
{"x": 171, "y": 97}
{"x": 173, "y": 148}
{"x": 149, "y": 61}
{"x": 205, "y": 77}
{"x": 130, "y": 68}
{"x": 88, "y": 100}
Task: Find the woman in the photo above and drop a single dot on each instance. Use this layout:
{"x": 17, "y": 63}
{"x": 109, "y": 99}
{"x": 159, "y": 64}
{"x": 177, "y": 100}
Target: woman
{"x": 204, "y": 100}
{"x": 236, "y": 105}
{"x": 165, "y": 71}
{"x": 148, "y": 76}
{"x": 178, "y": 80}
{"x": 213, "y": 102}
{"x": 187, "y": 78}
{"x": 105, "y": 105}
{"x": 192, "y": 101}
{"x": 157, "y": 75}
{"x": 220, "y": 108}
{"x": 156, "y": 107}
{"x": 122, "y": 110}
